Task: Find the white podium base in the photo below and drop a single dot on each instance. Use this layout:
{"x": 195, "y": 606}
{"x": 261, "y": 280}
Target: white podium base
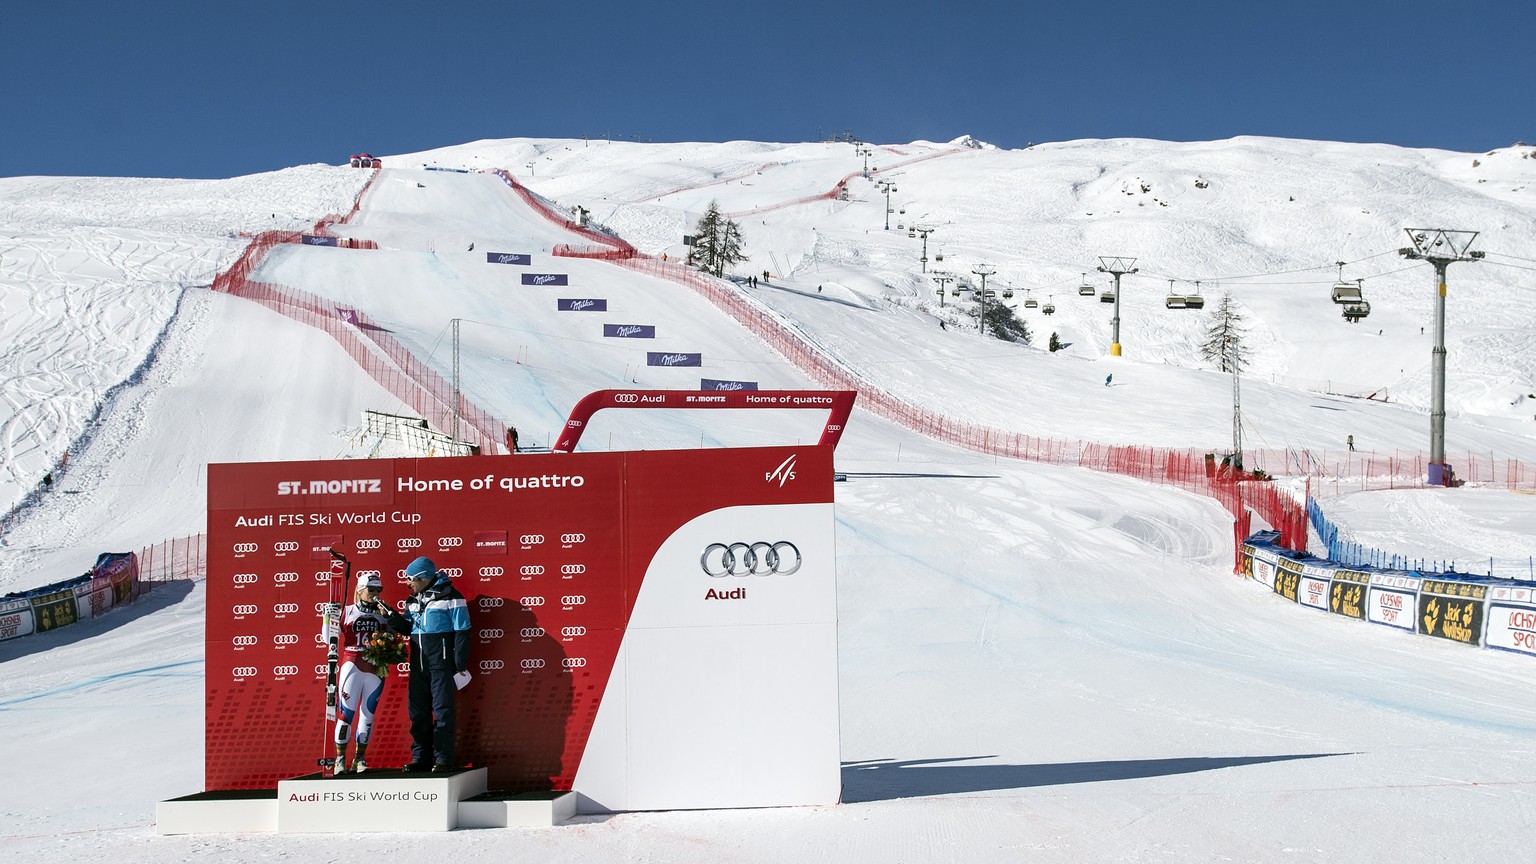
{"x": 386, "y": 801}
{"x": 523, "y": 810}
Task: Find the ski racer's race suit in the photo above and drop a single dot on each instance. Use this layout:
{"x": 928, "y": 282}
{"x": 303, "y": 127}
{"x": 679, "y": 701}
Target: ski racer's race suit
{"x": 440, "y": 634}
{"x": 360, "y": 685}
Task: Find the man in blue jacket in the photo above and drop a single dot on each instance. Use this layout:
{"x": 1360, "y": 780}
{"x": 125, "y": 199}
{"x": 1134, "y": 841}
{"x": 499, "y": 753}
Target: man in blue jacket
{"x": 439, "y": 619}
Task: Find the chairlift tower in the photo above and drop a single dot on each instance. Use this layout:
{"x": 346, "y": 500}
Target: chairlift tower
{"x": 983, "y": 270}
{"x": 942, "y": 278}
{"x": 1116, "y": 267}
{"x": 887, "y": 187}
{"x": 866, "y": 152}
{"x": 456, "y": 390}
{"x": 1440, "y": 247}
{"x": 923, "y": 231}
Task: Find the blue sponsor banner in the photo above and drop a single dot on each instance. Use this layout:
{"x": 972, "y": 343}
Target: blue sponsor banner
{"x": 569, "y": 304}
{"x": 663, "y": 358}
{"x": 545, "y": 279}
{"x": 454, "y": 170}
{"x": 630, "y": 331}
{"x": 317, "y": 240}
{"x": 507, "y": 258}
{"x": 714, "y": 384}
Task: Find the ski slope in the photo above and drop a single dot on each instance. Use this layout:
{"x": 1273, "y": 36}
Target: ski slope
{"x": 1035, "y": 662}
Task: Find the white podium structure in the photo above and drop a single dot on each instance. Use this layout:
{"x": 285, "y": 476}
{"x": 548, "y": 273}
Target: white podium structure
{"x": 387, "y": 801}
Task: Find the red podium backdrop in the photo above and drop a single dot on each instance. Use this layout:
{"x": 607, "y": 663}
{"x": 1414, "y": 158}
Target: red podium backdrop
{"x": 652, "y": 629}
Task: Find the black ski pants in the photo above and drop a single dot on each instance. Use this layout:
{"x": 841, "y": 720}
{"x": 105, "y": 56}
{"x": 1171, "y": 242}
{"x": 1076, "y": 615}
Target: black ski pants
{"x": 430, "y": 705}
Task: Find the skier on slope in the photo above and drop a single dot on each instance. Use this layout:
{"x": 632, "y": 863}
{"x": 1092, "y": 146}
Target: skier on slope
{"x": 439, "y": 620}
{"x": 360, "y": 683}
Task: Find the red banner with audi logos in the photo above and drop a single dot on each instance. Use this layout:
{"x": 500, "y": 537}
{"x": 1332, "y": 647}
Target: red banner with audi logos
{"x": 635, "y": 615}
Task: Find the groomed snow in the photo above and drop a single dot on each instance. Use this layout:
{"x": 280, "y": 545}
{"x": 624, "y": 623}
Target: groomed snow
{"x": 1036, "y": 663}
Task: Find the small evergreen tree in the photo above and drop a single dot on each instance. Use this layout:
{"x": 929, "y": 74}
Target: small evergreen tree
{"x": 1055, "y": 342}
{"x": 718, "y": 242}
{"x": 999, "y": 321}
{"x": 1223, "y": 343}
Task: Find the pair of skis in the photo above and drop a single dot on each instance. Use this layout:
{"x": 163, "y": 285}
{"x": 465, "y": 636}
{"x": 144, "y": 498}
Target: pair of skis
{"x": 341, "y": 577}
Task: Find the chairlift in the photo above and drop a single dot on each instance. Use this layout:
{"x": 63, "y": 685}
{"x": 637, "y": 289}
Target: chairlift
{"x": 900, "y": 227}
{"x": 1007, "y": 293}
{"x": 911, "y": 232}
{"x": 1049, "y": 308}
{"x": 955, "y": 290}
{"x": 1344, "y": 292}
{"x": 1353, "y": 312}
{"x": 1030, "y": 302}
{"x": 1108, "y": 296}
{"x": 939, "y": 255}
{"x": 1086, "y": 290}
{"x": 1194, "y": 301}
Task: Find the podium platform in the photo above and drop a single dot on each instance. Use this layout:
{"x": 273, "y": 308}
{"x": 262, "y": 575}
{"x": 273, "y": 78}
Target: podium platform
{"x": 379, "y": 801}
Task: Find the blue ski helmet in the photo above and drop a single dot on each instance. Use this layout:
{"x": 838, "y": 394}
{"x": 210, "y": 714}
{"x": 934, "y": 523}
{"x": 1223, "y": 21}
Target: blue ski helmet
{"x": 421, "y": 568}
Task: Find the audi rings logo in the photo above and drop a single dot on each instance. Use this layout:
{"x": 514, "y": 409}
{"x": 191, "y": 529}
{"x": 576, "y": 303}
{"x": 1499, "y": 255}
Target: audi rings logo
{"x": 750, "y": 559}
{"x": 242, "y": 548}
{"x": 573, "y": 538}
{"x": 531, "y": 632}
{"x": 243, "y": 672}
{"x": 285, "y": 639}
{"x": 451, "y": 572}
{"x": 449, "y": 542}
{"x": 320, "y": 639}
{"x": 245, "y": 609}
{"x": 531, "y": 601}
{"x": 530, "y": 539}
{"x": 492, "y": 633}
{"x": 320, "y": 607}
{"x": 491, "y": 602}
{"x": 322, "y": 577}
{"x": 531, "y": 569}
{"x": 369, "y": 544}
{"x": 625, "y": 398}
{"x": 569, "y": 632}
{"x": 245, "y": 578}
{"x": 407, "y": 543}
{"x": 573, "y": 569}
{"x": 533, "y": 663}
{"x": 283, "y": 671}
{"x": 488, "y": 665}
{"x": 280, "y": 578}
{"x": 284, "y": 608}
{"x": 491, "y": 571}
{"x": 285, "y": 546}
{"x": 573, "y": 600}
{"x": 573, "y": 662}
{"x": 319, "y": 668}
{"x": 243, "y": 641}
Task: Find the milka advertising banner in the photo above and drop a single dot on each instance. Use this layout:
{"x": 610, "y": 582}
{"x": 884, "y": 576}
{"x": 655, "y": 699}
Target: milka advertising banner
{"x": 550, "y": 279}
{"x": 654, "y": 630}
{"x": 508, "y": 258}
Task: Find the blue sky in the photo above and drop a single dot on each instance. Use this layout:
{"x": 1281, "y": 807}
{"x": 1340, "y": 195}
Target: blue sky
{"x": 178, "y": 89}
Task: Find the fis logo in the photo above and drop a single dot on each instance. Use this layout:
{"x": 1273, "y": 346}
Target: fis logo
{"x": 784, "y": 473}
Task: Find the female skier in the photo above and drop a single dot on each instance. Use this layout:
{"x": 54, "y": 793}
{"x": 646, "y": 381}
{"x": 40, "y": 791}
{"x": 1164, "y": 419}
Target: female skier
{"x": 360, "y": 684}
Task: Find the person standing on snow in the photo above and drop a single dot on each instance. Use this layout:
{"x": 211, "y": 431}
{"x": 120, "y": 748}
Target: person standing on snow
{"x": 439, "y": 622}
{"x": 360, "y": 683}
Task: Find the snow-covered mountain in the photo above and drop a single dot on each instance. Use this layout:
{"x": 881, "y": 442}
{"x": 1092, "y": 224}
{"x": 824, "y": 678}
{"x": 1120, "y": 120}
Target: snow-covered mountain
{"x": 1032, "y": 656}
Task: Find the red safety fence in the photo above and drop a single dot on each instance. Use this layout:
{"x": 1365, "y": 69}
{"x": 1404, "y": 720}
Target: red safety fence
{"x": 378, "y": 352}
{"x": 616, "y": 249}
{"x": 1238, "y": 492}
{"x": 168, "y": 560}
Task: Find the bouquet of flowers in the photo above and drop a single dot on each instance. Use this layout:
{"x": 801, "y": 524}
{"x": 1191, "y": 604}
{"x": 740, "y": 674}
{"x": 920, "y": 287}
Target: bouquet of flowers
{"x": 385, "y": 648}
